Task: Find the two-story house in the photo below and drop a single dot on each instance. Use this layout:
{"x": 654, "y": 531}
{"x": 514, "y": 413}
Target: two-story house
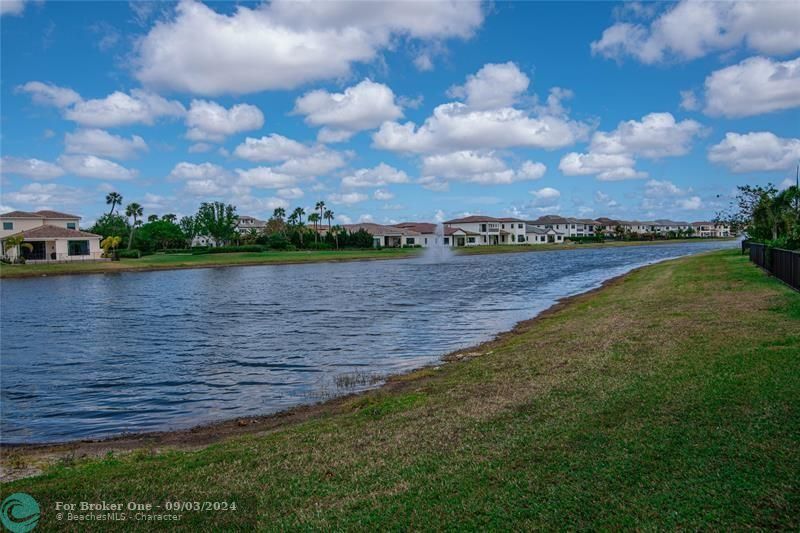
{"x": 48, "y": 236}
{"x": 479, "y": 230}
{"x": 566, "y": 226}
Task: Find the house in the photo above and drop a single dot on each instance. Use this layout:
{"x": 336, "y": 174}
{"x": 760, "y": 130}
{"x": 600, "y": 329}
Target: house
{"x": 52, "y": 237}
{"x": 387, "y": 236}
{"x": 537, "y": 235}
{"x": 479, "y": 230}
{"x": 247, "y": 223}
{"x": 711, "y": 229}
{"x": 569, "y": 227}
{"x": 433, "y": 234}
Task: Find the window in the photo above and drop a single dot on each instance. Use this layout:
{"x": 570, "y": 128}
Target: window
{"x": 483, "y": 228}
{"x": 71, "y": 225}
{"x": 8, "y": 225}
{"x": 519, "y": 226}
{"x": 520, "y": 238}
{"x": 409, "y": 240}
{"x": 447, "y": 240}
{"x": 78, "y": 248}
{"x": 542, "y": 238}
{"x": 471, "y": 240}
{"x": 426, "y": 240}
{"x": 503, "y": 226}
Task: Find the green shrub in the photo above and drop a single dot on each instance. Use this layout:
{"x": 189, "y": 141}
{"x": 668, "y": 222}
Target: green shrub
{"x": 231, "y": 249}
{"x": 278, "y": 241}
{"x": 129, "y": 254}
{"x": 178, "y": 250}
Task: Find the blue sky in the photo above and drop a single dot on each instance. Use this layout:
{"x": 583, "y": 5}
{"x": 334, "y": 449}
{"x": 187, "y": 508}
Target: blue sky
{"x": 390, "y": 112}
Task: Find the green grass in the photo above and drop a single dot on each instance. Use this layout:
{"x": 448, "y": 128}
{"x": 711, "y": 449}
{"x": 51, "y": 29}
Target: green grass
{"x": 667, "y": 400}
{"x": 175, "y": 261}
{"x": 569, "y": 245}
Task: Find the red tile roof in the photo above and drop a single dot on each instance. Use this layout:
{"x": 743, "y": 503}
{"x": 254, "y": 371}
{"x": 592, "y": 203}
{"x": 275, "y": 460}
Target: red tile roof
{"x": 54, "y": 232}
{"x": 44, "y": 213}
{"x": 481, "y": 218}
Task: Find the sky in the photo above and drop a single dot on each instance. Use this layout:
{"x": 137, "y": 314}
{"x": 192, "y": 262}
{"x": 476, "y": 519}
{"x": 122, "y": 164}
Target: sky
{"x": 393, "y": 112}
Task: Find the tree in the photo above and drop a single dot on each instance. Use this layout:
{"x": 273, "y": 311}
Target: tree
{"x": 328, "y": 215}
{"x": 189, "y": 229}
{"x": 152, "y": 218}
{"x": 113, "y": 199}
{"x": 169, "y": 217}
{"x": 299, "y": 212}
{"x": 133, "y": 210}
{"x": 279, "y": 214}
{"x": 320, "y": 206}
{"x": 314, "y": 218}
{"x": 110, "y": 244}
{"x": 15, "y": 242}
{"x": 158, "y": 235}
{"x": 112, "y": 225}
{"x": 217, "y": 220}
{"x": 766, "y": 214}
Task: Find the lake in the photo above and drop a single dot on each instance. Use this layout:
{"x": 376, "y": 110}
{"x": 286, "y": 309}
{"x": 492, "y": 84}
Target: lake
{"x": 99, "y": 355}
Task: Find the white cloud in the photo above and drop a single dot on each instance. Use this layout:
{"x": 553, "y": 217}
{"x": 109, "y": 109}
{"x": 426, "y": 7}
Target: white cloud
{"x": 455, "y": 126}
{"x": 476, "y": 167}
{"x": 612, "y": 154}
{"x": 755, "y": 86}
{"x": 689, "y": 101}
{"x": 209, "y": 121}
{"x": 494, "y": 86}
{"x": 90, "y": 166}
{"x": 290, "y": 193}
{"x": 265, "y": 178}
{"x": 545, "y": 197}
{"x": 661, "y": 189}
{"x": 35, "y": 169}
{"x": 49, "y": 94}
{"x": 121, "y": 109}
{"x": 690, "y": 204}
{"x": 348, "y": 198}
{"x": 382, "y": 194}
{"x": 199, "y": 148}
{"x": 101, "y": 143}
{"x": 531, "y": 170}
{"x": 363, "y": 106}
{"x": 382, "y": 174}
{"x": 272, "y": 147}
{"x": 284, "y": 44}
{"x": 760, "y": 151}
{"x": 602, "y": 198}
{"x": 192, "y": 171}
{"x": 317, "y": 163}
{"x": 785, "y": 184}
{"x": 12, "y": 7}
{"x": 46, "y": 195}
{"x": 694, "y": 29}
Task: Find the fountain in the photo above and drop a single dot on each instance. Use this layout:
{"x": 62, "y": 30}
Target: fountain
{"x": 438, "y": 252}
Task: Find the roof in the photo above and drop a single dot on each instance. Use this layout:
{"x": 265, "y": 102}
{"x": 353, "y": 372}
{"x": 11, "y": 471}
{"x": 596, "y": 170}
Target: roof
{"x": 540, "y": 231}
{"x": 54, "y": 232}
{"x": 424, "y": 228}
{"x": 558, "y": 219}
{"x": 44, "y": 213}
{"x": 378, "y": 229}
{"x": 481, "y": 218}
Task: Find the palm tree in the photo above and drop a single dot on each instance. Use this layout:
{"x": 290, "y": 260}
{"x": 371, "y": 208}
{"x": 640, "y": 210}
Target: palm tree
{"x": 113, "y": 199}
{"x": 16, "y": 242}
{"x": 133, "y": 210}
{"x": 335, "y": 230}
{"x": 299, "y": 211}
{"x": 279, "y": 213}
{"x": 152, "y": 218}
{"x": 110, "y": 244}
{"x": 314, "y": 217}
{"x": 292, "y": 219}
{"x": 321, "y": 208}
{"x": 328, "y": 215}
{"x": 169, "y": 217}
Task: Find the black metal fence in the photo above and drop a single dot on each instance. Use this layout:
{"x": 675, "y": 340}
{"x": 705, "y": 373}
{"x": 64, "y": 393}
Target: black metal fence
{"x": 783, "y": 264}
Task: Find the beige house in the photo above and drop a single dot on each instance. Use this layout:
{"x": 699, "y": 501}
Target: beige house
{"x": 52, "y": 237}
{"x": 710, "y": 229}
{"x": 387, "y": 236}
{"x": 479, "y": 230}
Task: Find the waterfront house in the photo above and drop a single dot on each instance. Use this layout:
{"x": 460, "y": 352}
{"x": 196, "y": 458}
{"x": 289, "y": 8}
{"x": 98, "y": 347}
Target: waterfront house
{"x": 566, "y": 226}
{"x": 711, "y": 229}
{"x": 537, "y": 235}
{"x": 247, "y": 223}
{"x": 479, "y": 230}
{"x": 50, "y": 236}
{"x": 433, "y": 234}
{"x": 387, "y": 236}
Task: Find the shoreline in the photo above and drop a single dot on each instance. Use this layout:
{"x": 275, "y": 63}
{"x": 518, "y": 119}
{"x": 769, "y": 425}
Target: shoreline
{"x": 118, "y": 268}
{"x": 205, "y": 434}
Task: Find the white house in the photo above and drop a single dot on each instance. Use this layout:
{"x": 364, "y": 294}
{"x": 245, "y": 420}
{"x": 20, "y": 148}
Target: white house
{"x": 568, "y": 227}
{"x": 52, "y": 236}
{"x": 537, "y": 235}
{"x": 435, "y": 234}
{"x": 387, "y": 236}
{"x": 481, "y": 230}
{"x": 247, "y": 223}
{"x": 711, "y": 229}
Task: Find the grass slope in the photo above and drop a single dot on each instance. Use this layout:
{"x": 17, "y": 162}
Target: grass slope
{"x": 669, "y": 399}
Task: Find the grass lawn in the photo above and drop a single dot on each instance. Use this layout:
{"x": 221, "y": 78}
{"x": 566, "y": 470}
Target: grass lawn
{"x": 668, "y": 399}
{"x": 175, "y": 261}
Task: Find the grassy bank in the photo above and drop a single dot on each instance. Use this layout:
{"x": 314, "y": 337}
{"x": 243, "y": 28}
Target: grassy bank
{"x": 511, "y": 248}
{"x": 176, "y": 261}
{"x": 668, "y": 399}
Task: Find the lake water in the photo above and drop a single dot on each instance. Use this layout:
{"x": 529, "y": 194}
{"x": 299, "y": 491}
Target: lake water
{"x": 99, "y": 355}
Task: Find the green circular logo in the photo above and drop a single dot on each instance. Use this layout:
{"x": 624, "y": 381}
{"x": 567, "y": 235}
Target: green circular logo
{"x": 19, "y": 513}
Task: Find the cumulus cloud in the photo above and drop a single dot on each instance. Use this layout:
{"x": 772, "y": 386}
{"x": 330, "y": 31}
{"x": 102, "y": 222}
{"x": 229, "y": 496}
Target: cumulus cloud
{"x": 101, "y": 143}
{"x": 271, "y": 147}
{"x": 383, "y": 195}
{"x": 692, "y": 29}
{"x": 379, "y": 175}
{"x": 760, "y": 151}
{"x": 12, "y": 7}
{"x": 46, "y": 195}
{"x": 612, "y": 154}
{"x": 290, "y": 193}
{"x": 122, "y": 109}
{"x": 90, "y": 166}
{"x": 494, "y": 86}
{"x": 35, "y": 169}
{"x": 284, "y": 44}
{"x": 689, "y": 101}
{"x": 545, "y": 197}
{"x": 320, "y": 162}
{"x": 348, "y": 198}
{"x": 49, "y": 94}
{"x": 692, "y": 203}
{"x": 476, "y": 167}
{"x": 209, "y": 121}
{"x": 663, "y": 188}
{"x": 361, "y": 107}
{"x": 265, "y": 178}
{"x": 204, "y": 179}
{"x": 755, "y": 86}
